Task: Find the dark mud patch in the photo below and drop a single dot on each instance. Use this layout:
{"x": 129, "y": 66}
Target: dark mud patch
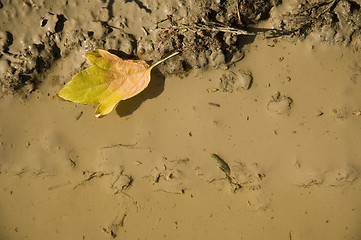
{"x": 211, "y": 37}
{"x": 334, "y": 21}
{"x": 209, "y": 33}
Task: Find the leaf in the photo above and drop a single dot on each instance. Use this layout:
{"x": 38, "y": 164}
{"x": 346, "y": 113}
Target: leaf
{"x": 222, "y": 164}
{"x": 110, "y": 80}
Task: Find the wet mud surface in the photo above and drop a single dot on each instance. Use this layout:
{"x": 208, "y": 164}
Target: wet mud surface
{"x": 251, "y": 133}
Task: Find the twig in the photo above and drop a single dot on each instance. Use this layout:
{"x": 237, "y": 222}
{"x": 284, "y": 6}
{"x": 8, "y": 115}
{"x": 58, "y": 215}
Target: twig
{"x": 166, "y": 58}
{"x": 331, "y": 5}
{"x": 239, "y": 13}
{"x": 214, "y": 104}
{"x": 213, "y": 27}
{"x": 182, "y": 191}
{"x": 121, "y": 145}
{"x": 90, "y": 177}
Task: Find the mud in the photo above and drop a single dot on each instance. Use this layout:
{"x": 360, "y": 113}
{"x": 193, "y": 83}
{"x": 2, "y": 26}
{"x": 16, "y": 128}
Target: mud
{"x": 210, "y": 34}
{"x": 280, "y": 104}
{"x": 235, "y": 81}
{"x": 50, "y": 31}
{"x": 280, "y": 108}
{"x": 335, "y": 22}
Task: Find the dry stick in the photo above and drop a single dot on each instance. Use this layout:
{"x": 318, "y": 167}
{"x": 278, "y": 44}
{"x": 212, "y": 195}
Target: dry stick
{"x": 213, "y": 28}
{"x": 220, "y": 28}
{"x": 331, "y": 4}
{"x": 120, "y": 145}
{"x": 164, "y": 59}
{"x": 239, "y": 13}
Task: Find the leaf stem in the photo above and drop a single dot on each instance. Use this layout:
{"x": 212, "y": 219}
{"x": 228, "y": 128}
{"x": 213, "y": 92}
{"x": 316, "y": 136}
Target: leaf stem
{"x": 166, "y": 58}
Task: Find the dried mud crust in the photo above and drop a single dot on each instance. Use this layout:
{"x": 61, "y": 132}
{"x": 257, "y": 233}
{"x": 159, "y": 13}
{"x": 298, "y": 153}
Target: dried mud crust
{"x": 210, "y": 34}
{"x": 332, "y": 21}
{"x": 26, "y": 55}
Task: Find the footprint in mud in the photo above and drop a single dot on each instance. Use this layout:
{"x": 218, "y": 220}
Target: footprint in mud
{"x": 249, "y": 176}
{"x": 280, "y": 104}
{"x": 46, "y": 154}
{"x": 258, "y": 202}
{"x": 341, "y": 113}
{"x": 235, "y": 177}
{"x": 169, "y": 176}
{"x": 121, "y": 182}
{"x": 114, "y": 229}
{"x": 117, "y": 181}
{"x": 236, "y": 81}
{"x": 341, "y": 177}
{"x": 333, "y": 178}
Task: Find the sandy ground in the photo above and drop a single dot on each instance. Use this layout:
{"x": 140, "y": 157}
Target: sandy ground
{"x": 145, "y": 171}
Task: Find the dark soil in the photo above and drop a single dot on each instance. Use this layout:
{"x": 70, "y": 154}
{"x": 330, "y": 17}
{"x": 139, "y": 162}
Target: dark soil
{"x": 201, "y": 36}
{"x": 210, "y": 35}
{"x": 23, "y": 70}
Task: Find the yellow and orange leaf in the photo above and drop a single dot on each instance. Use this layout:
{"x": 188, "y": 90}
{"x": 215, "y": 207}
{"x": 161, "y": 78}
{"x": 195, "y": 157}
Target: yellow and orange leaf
{"x": 110, "y": 80}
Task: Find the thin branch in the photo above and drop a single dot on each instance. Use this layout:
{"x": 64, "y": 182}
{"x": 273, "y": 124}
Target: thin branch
{"x": 164, "y": 59}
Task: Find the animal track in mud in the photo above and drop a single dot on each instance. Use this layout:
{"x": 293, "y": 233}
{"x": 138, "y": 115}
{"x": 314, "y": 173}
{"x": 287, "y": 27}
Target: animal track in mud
{"x": 236, "y": 81}
{"x": 169, "y": 176}
{"x": 117, "y": 224}
{"x": 118, "y": 182}
{"x": 241, "y": 176}
{"x": 333, "y": 177}
{"x": 280, "y": 104}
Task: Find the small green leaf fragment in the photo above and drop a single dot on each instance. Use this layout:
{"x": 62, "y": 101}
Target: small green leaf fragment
{"x": 222, "y": 164}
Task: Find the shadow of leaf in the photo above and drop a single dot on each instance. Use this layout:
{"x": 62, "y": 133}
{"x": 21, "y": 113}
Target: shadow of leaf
{"x": 140, "y": 5}
{"x": 110, "y": 9}
{"x": 154, "y": 89}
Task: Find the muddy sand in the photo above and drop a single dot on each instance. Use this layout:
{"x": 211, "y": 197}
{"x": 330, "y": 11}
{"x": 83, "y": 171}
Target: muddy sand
{"x": 242, "y": 136}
